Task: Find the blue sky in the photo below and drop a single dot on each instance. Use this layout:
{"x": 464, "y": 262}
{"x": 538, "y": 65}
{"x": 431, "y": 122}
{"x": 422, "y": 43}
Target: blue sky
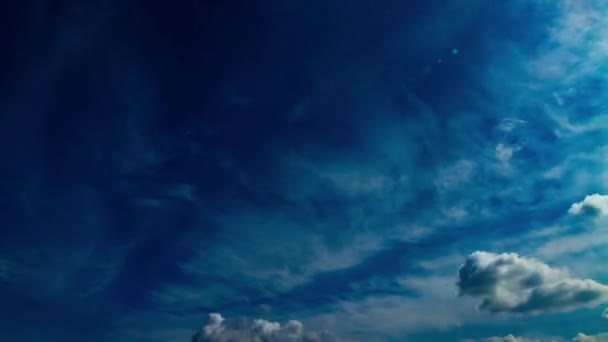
{"x": 304, "y": 171}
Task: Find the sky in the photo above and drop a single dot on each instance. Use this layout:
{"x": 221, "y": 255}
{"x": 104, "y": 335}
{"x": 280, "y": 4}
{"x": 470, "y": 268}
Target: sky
{"x": 268, "y": 171}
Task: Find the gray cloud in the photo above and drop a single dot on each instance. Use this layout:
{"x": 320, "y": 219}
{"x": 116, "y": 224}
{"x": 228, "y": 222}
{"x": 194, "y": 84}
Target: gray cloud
{"x": 509, "y": 283}
{"x": 595, "y": 205}
{"x": 260, "y": 330}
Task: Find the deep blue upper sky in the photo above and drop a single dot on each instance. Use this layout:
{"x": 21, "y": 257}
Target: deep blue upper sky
{"x": 329, "y": 162}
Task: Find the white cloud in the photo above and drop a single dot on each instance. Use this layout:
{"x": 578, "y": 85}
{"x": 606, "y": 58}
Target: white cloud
{"x": 508, "y": 338}
{"x": 215, "y": 325}
{"x": 580, "y": 337}
{"x": 509, "y": 283}
{"x": 260, "y": 330}
{"x": 293, "y": 328}
{"x": 511, "y": 338}
{"x": 596, "y": 205}
{"x": 261, "y": 327}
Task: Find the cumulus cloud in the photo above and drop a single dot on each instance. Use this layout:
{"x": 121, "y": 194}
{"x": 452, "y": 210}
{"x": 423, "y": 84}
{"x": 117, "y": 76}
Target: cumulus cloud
{"x": 260, "y": 330}
{"x": 596, "y": 205}
{"x": 215, "y": 325}
{"x": 580, "y": 337}
{"x": 262, "y": 327}
{"x": 509, "y": 338}
{"x": 509, "y": 283}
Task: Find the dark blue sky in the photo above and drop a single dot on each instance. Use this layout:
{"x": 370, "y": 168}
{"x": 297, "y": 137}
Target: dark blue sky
{"x": 328, "y": 162}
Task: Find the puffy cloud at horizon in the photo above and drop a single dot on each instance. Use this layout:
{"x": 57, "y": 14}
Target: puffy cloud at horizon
{"x": 260, "y": 330}
{"x": 510, "y": 283}
{"x": 214, "y": 326}
{"x": 580, "y": 337}
{"x": 507, "y": 338}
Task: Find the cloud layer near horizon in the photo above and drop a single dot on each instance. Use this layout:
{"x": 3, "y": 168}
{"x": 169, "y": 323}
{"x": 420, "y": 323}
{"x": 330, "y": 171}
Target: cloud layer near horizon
{"x": 258, "y": 330}
{"x": 580, "y": 337}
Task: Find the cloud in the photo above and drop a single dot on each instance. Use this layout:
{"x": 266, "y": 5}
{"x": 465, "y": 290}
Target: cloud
{"x": 595, "y": 205}
{"x": 260, "y": 330}
{"x": 512, "y": 284}
{"x": 503, "y": 153}
{"x": 459, "y": 173}
{"x": 214, "y": 326}
{"x": 580, "y": 337}
{"x": 262, "y": 327}
{"x": 508, "y": 124}
{"x": 508, "y": 338}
